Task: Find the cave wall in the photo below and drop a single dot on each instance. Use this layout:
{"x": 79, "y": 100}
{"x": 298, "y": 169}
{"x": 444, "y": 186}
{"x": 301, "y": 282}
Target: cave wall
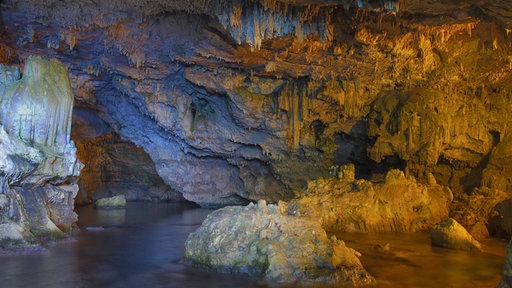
{"x": 237, "y": 101}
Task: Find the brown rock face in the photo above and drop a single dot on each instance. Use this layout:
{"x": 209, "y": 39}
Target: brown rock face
{"x": 235, "y": 101}
{"x": 396, "y": 204}
{"x": 117, "y": 167}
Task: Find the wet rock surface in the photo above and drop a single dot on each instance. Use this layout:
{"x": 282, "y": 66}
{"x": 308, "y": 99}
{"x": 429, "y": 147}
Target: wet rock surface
{"x": 450, "y": 234}
{"x": 118, "y": 201}
{"x": 38, "y": 164}
{"x": 264, "y": 241}
{"x": 398, "y": 203}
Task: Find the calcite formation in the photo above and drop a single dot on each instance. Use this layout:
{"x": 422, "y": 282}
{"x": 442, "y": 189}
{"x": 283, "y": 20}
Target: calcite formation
{"x": 38, "y": 164}
{"x": 118, "y": 201}
{"x": 450, "y": 234}
{"x": 265, "y": 241}
{"x": 244, "y": 100}
{"x": 397, "y": 203}
{"x": 38, "y": 107}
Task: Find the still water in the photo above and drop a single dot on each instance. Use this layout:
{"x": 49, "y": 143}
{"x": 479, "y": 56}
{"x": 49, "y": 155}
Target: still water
{"x": 142, "y": 246}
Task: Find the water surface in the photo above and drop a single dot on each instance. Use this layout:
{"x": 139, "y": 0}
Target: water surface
{"x": 142, "y": 246}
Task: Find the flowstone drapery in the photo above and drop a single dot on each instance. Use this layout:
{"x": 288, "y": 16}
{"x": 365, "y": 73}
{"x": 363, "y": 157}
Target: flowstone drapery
{"x": 38, "y": 107}
{"x": 38, "y": 164}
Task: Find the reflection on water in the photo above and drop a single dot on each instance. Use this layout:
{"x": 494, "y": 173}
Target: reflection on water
{"x": 412, "y": 262}
{"x": 142, "y": 247}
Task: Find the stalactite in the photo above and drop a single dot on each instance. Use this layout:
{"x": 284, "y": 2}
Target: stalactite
{"x": 294, "y": 101}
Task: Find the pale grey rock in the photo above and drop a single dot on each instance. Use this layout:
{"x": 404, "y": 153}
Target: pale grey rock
{"x": 450, "y": 234}
{"x": 12, "y": 235}
{"x": 264, "y": 241}
{"x": 118, "y": 201}
{"x": 38, "y": 107}
{"x": 38, "y": 163}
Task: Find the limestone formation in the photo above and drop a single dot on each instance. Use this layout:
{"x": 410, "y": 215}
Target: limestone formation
{"x": 504, "y": 216}
{"x": 118, "y": 201}
{"x": 38, "y": 107}
{"x": 396, "y": 204}
{"x": 264, "y": 241}
{"x": 450, "y": 234}
{"x": 477, "y": 213}
{"x": 110, "y": 170}
{"x": 38, "y": 164}
{"x": 497, "y": 173}
{"x": 257, "y": 98}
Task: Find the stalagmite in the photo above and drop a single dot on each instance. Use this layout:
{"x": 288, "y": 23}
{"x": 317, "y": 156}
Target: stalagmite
{"x": 38, "y": 107}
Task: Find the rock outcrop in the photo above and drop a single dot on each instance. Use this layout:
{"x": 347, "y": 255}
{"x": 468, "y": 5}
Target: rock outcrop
{"x": 264, "y": 241}
{"x": 450, "y": 234}
{"x": 477, "y": 212}
{"x": 398, "y": 203}
{"x": 38, "y": 164}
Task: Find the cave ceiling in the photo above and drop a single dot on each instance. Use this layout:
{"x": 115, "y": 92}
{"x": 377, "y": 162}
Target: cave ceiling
{"x": 261, "y": 93}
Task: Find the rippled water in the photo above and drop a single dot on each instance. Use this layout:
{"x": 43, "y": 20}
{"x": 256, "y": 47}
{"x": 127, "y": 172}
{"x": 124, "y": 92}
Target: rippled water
{"x": 142, "y": 247}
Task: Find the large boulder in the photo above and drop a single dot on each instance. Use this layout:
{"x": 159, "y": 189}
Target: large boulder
{"x": 38, "y": 163}
{"x": 118, "y": 201}
{"x": 450, "y": 234}
{"x": 398, "y": 203}
{"x": 267, "y": 242}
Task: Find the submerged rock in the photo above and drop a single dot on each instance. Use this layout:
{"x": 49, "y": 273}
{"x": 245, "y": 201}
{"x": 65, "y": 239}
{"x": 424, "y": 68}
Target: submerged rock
{"x": 450, "y": 234}
{"x": 118, "y": 201}
{"x": 263, "y": 240}
{"x": 398, "y": 203}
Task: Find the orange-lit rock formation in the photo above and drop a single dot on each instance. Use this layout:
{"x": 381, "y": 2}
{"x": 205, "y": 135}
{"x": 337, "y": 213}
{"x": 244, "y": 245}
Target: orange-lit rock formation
{"x": 252, "y": 99}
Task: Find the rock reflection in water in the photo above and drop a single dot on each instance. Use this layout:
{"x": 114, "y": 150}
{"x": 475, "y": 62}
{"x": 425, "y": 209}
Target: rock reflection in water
{"x": 143, "y": 247}
{"x": 409, "y": 260}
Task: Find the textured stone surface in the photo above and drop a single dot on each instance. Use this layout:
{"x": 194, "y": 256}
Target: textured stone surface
{"x": 504, "y": 215}
{"x": 38, "y": 163}
{"x": 450, "y": 234}
{"x": 118, "y": 201}
{"x": 38, "y": 107}
{"x": 113, "y": 167}
{"x": 264, "y": 241}
{"x": 476, "y": 212}
{"x": 396, "y": 204}
{"x": 253, "y": 101}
